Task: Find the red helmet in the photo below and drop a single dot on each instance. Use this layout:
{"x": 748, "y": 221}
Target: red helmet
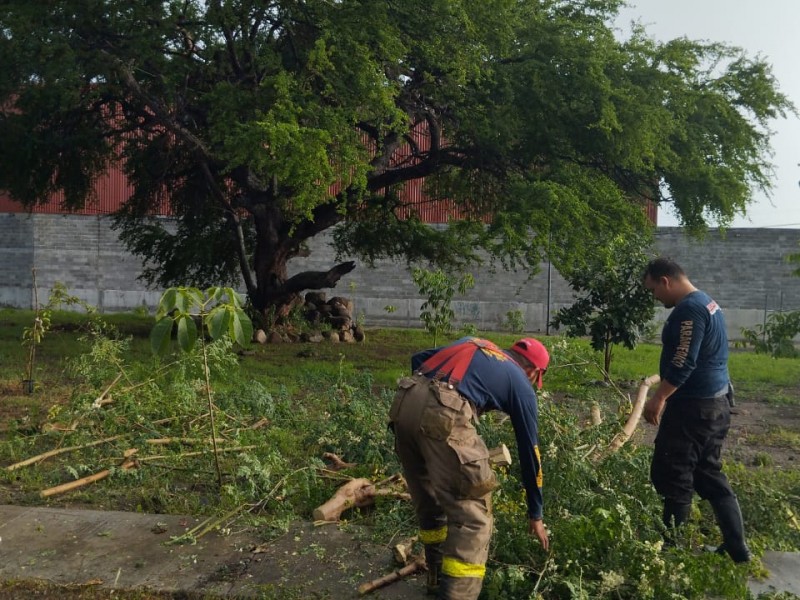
{"x": 536, "y": 353}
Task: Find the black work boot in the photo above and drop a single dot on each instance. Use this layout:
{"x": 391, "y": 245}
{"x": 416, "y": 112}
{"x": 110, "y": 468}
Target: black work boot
{"x": 729, "y": 519}
{"x": 675, "y": 514}
{"x": 433, "y": 560}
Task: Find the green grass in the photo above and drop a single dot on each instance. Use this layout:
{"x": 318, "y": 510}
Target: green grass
{"x": 778, "y": 437}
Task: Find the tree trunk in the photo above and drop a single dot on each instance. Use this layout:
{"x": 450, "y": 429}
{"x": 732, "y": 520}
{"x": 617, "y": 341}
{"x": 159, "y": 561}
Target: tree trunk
{"x": 275, "y": 293}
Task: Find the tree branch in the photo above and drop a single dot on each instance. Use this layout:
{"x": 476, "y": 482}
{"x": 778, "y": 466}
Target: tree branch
{"x": 316, "y": 280}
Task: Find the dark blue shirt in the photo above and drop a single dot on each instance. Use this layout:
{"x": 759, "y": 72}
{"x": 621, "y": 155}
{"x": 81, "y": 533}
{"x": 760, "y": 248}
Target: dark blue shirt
{"x": 694, "y": 357}
{"x": 492, "y": 380}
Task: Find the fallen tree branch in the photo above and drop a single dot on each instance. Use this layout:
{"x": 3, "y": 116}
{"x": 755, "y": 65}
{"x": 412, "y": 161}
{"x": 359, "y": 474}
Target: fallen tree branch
{"x": 417, "y": 564}
{"x": 102, "y": 400}
{"x": 198, "y": 453}
{"x": 51, "y": 453}
{"x": 211, "y": 523}
{"x": 632, "y": 422}
{"x": 360, "y": 492}
{"x": 402, "y": 550}
{"x": 128, "y": 463}
{"x": 336, "y": 463}
{"x": 182, "y": 440}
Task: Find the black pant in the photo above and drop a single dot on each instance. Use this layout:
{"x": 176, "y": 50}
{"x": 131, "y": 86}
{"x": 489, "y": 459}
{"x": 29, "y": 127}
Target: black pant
{"x": 687, "y": 450}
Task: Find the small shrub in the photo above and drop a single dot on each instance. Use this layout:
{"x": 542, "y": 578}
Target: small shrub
{"x": 775, "y": 337}
{"x": 439, "y": 288}
{"x": 514, "y": 321}
{"x": 468, "y": 329}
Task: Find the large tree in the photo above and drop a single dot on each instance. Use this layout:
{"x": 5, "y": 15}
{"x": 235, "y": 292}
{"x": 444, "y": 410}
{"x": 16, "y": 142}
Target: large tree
{"x": 261, "y": 123}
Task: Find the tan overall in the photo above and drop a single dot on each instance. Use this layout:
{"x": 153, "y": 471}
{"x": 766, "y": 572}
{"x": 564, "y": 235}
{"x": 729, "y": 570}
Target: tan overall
{"x": 446, "y": 466}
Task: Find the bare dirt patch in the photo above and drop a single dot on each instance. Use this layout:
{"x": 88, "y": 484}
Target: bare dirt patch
{"x": 761, "y": 434}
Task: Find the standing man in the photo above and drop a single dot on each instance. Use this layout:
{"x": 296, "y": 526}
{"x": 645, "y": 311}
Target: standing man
{"x": 446, "y": 463}
{"x": 691, "y": 406}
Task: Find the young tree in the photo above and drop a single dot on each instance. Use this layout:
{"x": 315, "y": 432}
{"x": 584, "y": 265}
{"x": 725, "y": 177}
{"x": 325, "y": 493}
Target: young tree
{"x": 612, "y": 305}
{"x": 261, "y": 124}
{"x": 439, "y": 288}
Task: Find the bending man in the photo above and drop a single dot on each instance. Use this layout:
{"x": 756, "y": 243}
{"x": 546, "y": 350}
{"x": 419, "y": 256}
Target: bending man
{"x": 446, "y": 463}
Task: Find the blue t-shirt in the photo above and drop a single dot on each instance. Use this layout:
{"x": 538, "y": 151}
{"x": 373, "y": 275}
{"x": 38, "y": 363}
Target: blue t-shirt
{"x": 492, "y": 380}
{"x": 694, "y": 357}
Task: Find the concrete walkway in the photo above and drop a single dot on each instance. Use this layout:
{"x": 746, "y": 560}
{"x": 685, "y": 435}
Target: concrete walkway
{"x": 127, "y": 550}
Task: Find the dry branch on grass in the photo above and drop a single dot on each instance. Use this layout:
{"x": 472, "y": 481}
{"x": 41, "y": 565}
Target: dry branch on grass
{"x": 197, "y": 453}
{"x": 129, "y": 462}
{"x": 182, "y": 440}
{"x": 335, "y": 463}
{"x": 417, "y": 564}
{"x": 57, "y": 451}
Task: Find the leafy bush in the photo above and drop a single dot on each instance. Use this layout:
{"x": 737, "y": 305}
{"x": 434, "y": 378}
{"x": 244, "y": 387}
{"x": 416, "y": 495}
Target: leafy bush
{"x": 439, "y": 288}
{"x": 775, "y": 337}
{"x": 514, "y": 321}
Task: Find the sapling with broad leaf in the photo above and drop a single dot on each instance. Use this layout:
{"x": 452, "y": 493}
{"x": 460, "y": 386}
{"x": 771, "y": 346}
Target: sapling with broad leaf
{"x": 220, "y": 313}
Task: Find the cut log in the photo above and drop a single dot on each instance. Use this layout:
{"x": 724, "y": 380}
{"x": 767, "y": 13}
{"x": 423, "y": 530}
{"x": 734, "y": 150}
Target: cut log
{"x": 500, "y": 456}
{"x": 355, "y": 493}
{"x": 417, "y": 564}
{"x": 403, "y": 550}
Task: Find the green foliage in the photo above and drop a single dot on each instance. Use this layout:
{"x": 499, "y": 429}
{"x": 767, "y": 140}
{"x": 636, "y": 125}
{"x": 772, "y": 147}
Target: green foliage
{"x": 603, "y": 516}
{"x": 219, "y": 309}
{"x": 514, "y": 321}
{"x": 220, "y": 312}
{"x": 439, "y": 288}
{"x": 269, "y": 123}
{"x": 776, "y": 336}
{"x": 612, "y": 305}
{"x": 469, "y": 329}
{"x": 32, "y": 336}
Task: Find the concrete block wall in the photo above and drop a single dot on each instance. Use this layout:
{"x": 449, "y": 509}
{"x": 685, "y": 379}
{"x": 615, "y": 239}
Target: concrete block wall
{"x": 82, "y": 252}
{"x": 16, "y": 259}
{"x": 745, "y": 270}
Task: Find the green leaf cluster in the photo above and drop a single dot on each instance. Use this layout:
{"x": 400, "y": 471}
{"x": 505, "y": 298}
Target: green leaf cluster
{"x": 776, "y": 335}
{"x": 219, "y": 310}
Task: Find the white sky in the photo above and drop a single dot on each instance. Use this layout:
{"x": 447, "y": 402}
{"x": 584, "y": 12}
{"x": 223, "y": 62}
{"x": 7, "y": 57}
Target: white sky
{"x": 766, "y": 28}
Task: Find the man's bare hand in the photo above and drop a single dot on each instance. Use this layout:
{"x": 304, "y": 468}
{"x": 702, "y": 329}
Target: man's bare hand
{"x": 536, "y": 527}
{"x": 652, "y": 410}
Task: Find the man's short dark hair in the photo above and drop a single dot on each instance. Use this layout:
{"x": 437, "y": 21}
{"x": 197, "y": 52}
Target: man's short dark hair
{"x": 663, "y": 267}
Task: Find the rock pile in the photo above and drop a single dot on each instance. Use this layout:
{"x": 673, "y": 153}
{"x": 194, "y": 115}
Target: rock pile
{"x": 330, "y": 320}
